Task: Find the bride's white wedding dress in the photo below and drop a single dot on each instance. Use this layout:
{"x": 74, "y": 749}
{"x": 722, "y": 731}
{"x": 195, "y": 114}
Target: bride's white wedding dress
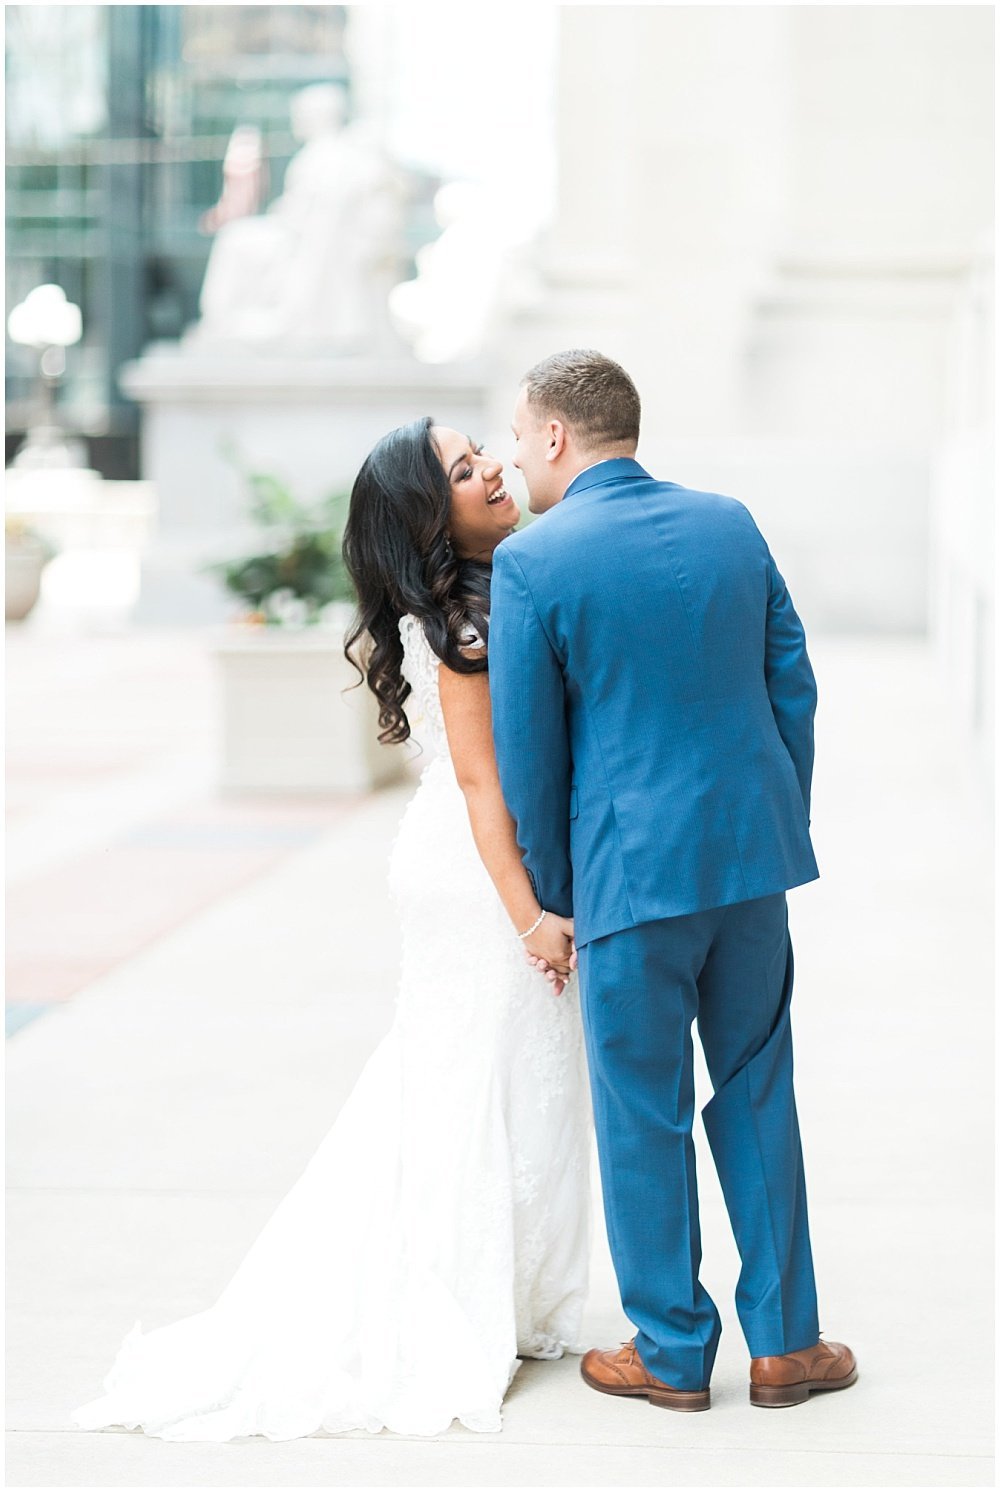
{"x": 441, "y": 1229}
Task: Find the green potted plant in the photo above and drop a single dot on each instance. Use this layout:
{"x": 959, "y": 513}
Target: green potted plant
{"x": 292, "y": 720}
{"x": 297, "y": 576}
{"x": 26, "y": 553}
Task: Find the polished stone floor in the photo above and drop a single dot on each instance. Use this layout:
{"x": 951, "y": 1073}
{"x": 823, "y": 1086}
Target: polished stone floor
{"x": 197, "y": 981}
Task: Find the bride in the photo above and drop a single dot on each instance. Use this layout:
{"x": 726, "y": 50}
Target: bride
{"x": 440, "y": 1232}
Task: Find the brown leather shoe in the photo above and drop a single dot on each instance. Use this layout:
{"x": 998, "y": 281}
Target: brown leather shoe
{"x": 622, "y": 1373}
{"x": 776, "y": 1382}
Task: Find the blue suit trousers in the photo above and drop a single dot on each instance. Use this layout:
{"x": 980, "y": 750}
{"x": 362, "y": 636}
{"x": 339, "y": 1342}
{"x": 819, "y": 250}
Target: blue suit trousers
{"x": 730, "y": 969}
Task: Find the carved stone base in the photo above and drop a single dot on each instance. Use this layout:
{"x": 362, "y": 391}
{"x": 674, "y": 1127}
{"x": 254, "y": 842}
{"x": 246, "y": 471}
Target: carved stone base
{"x": 309, "y": 421}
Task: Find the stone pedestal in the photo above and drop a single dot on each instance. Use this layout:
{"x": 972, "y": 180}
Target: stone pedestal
{"x": 309, "y": 421}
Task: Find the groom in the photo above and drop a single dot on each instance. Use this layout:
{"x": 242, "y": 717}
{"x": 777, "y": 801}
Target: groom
{"x": 653, "y": 712}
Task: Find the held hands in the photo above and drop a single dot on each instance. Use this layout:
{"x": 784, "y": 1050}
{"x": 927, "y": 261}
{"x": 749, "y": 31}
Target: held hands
{"x": 551, "y": 950}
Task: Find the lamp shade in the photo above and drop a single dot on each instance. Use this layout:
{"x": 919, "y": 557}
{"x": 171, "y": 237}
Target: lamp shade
{"x": 45, "y": 318}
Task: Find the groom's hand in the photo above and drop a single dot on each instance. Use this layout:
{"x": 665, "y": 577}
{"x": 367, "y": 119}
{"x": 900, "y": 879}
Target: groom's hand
{"x": 558, "y": 985}
{"x": 551, "y": 950}
{"x": 552, "y": 940}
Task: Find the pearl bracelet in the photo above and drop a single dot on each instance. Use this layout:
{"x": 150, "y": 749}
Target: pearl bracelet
{"x": 534, "y": 926}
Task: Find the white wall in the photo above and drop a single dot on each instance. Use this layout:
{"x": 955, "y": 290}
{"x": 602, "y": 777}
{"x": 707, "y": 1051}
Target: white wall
{"x": 963, "y": 516}
{"x": 768, "y": 214}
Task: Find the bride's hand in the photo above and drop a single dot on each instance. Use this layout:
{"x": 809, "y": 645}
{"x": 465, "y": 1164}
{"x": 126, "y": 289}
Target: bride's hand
{"x": 558, "y": 985}
{"x": 550, "y": 949}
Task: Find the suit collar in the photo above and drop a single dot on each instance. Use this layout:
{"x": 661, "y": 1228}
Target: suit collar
{"x": 618, "y": 469}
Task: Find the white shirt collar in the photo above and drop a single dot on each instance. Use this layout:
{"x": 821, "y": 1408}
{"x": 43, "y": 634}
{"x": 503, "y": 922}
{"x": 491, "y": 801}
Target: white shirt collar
{"x": 603, "y": 462}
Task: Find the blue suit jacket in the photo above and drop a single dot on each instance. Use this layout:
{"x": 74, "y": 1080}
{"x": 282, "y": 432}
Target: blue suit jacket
{"x": 652, "y": 704}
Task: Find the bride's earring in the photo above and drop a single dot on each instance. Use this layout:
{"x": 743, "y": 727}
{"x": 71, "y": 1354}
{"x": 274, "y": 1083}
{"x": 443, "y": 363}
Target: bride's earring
{"x": 449, "y": 553}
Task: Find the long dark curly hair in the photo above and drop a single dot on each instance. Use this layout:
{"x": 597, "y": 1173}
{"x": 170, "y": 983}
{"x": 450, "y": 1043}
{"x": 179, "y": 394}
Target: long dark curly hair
{"x": 401, "y": 561}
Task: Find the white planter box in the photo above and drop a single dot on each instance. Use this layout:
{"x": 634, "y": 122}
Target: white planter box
{"x": 287, "y": 725}
{"x": 24, "y": 561}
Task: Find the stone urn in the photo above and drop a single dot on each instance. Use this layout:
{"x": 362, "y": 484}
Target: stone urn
{"x": 292, "y": 722}
{"x": 26, "y": 554}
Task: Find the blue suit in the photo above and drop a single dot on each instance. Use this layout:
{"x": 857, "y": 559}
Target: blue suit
{"x": 653, "y": 710}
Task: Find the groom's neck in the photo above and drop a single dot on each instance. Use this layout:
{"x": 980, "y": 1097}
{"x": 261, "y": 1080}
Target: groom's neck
{"x": 586, "y": 459}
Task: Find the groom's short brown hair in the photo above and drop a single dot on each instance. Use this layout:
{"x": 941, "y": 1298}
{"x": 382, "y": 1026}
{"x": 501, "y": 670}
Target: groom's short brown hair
{"x": 590, "y": 393}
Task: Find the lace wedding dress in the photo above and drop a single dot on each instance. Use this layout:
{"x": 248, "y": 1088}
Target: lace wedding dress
{"x": 441, "y": 1229}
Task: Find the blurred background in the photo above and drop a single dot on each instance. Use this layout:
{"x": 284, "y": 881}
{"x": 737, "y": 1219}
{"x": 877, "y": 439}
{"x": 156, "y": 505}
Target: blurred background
{"x": 243, "y": 241}
{"x": 288, "y": 227}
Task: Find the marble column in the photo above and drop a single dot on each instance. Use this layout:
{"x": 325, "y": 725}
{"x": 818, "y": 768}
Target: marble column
{"x": 765, "y": 213}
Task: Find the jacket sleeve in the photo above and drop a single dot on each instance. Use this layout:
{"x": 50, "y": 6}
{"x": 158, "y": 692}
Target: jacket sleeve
{"x": 529, "y": 729}
{"x": 791, "y": 685}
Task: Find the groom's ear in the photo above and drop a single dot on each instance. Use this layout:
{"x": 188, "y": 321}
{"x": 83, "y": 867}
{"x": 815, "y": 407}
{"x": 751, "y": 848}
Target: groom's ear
{"x": 557, "y": 440}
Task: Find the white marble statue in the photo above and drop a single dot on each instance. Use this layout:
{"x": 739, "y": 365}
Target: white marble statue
{"x": 315, "y": 270}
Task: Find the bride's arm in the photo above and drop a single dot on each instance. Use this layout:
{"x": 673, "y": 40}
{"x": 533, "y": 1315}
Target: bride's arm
{"x": 465, "y": 703}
